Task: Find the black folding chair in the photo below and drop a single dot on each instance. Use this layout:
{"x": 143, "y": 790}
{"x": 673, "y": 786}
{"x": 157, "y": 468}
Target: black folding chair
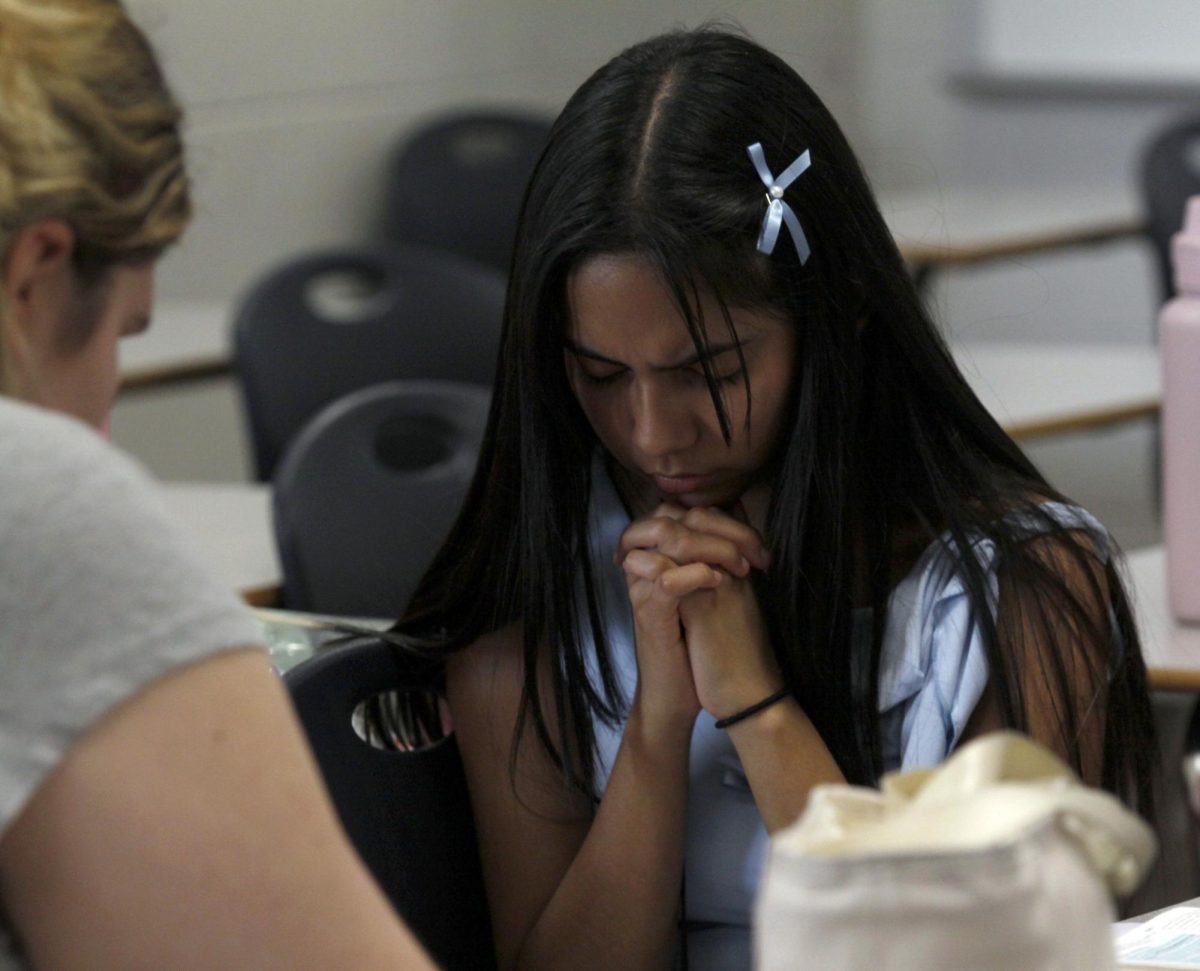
{"x": 407, "y": 813}
{"x": 457, "y": 183}
{"x": 367, "y": 492}
{"x": 1170, "y": 174}
{"x": 331, "y": 322}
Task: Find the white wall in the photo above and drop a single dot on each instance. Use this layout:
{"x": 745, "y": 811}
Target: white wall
{"x": 922, "y": 129}
{"x": 294, "y": 105}
{"x": 1086, "y": 42}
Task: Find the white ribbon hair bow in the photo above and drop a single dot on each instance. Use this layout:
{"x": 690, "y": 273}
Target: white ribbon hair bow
{"x": 779, "y": 211}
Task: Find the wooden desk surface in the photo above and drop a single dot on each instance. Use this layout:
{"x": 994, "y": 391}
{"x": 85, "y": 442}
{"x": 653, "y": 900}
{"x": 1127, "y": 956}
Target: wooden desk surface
{"x": 1039, "y": 389}
{"x": 231, "y": 524}
{"x": 957, "y": 227}
{"x": 187, "y": 340}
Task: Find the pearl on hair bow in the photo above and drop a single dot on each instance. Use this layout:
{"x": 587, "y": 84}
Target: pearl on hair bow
{"x": 779, "y": 211}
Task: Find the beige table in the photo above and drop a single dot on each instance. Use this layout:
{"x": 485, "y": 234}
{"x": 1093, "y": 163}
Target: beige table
{"x": 938, "y": 229}
{"x": 1172, "y": 649}
{"x": 1039, "y": 389}
{"x": 1035, "y": 389}
{"x": 188, "y": 340}
{"x": 231, "y": 524}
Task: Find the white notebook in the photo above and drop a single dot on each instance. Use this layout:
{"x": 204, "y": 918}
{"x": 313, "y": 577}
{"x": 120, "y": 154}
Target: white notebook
{"x": 1169, "y": 940}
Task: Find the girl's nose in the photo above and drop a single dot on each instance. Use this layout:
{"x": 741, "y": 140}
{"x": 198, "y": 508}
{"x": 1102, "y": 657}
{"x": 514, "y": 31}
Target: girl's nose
{"x": 661, "y": 424}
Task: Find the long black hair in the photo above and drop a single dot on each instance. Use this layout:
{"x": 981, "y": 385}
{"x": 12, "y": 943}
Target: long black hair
{"x": 887, "y": 448}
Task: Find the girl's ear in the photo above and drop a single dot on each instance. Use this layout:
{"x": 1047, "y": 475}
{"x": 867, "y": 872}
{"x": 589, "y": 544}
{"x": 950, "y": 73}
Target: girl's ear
{"x": 37, "y": 278}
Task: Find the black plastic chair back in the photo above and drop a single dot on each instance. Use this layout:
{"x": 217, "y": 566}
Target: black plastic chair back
{"x": 1170, "y": 174}
{"x": 457, "y": 183}
{"x": 330, "y": 322}
{"x": 368, "y": 491}
{"x": 408, "y": 814}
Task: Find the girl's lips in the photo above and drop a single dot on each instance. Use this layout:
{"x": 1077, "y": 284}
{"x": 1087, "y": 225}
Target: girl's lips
{"x": 677, "y": 485}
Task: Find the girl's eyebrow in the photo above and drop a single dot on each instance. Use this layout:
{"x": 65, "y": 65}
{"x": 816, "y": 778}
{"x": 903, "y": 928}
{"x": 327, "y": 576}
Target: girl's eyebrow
{"x": 580, "y": 351}
{"x": 713, "y": 350}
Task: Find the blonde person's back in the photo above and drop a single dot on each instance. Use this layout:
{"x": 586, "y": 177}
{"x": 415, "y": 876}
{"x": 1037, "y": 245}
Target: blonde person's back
{"x": 158, "y": 805}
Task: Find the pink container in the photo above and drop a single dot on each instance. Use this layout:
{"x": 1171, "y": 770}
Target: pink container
{"x": 1179, "y": 341}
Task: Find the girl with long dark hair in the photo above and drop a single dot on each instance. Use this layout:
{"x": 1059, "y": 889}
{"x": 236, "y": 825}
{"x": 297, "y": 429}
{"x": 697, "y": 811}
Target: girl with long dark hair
{"x": 739, "y": 526}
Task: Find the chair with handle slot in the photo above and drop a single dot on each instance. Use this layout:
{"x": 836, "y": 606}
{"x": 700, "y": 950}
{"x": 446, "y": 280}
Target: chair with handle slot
{"x": 329, "y": 322}
{"x": 407, "y": 812}
{"x": 456, "y": 183}
{"x": 1169, "y": 176}
{"x": 367, "y": 492}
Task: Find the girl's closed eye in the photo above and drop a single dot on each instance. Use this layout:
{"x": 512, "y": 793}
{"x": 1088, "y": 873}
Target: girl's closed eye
{"x": 726, "y": 369}
{"x": 695, "y": 376}
{"x": 602, "y": 379}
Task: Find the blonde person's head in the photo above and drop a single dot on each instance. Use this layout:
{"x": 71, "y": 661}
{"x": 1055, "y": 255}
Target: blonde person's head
{"x": 89, "y": 134}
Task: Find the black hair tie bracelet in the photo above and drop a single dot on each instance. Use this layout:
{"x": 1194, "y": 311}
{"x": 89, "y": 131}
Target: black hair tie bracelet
{"x": 754, "y": 709}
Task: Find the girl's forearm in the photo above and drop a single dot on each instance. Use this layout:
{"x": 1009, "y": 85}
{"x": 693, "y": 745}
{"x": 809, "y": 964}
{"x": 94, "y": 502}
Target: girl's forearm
{"x": 783, "y": 757}
{"x": 618, "y": 904}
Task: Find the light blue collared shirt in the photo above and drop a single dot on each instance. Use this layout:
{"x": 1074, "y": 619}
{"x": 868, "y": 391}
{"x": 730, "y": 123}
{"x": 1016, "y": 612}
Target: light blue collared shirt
{"x": 933, "y": 670}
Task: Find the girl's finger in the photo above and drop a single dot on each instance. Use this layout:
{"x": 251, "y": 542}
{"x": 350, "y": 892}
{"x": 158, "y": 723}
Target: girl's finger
{"x": 646, "y": 564}
{"x": 683, "y": 545}
{"x": 668, "y": 510}
{"x": 700, "y": 534}
{"x": 670, "y": 580}
{"x": 738, "y": 531}
{"x": 679, "y": 581}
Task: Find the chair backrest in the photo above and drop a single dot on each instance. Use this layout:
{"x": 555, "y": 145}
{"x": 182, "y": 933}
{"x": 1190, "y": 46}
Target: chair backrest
{"x": 457, "y": 183}
{"x": 369, "y": 489}
{"x": 330, "y": 322}
{"x": 1170, "y": 174}
{"x": 407, "y": 813}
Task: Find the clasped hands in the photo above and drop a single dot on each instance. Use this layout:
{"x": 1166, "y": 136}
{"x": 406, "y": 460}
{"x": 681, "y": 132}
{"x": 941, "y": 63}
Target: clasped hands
{"x": 700, "y": 635}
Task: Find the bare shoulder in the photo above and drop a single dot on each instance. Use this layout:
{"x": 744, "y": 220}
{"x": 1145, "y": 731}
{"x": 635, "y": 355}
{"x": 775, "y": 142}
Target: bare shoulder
{"x": 493, "y": 662}
{"x": 484, "y": 683}
{"x": 530, "y": 823}
{"x": 485, "y": 689}
{"x": 1056, "y": 629}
